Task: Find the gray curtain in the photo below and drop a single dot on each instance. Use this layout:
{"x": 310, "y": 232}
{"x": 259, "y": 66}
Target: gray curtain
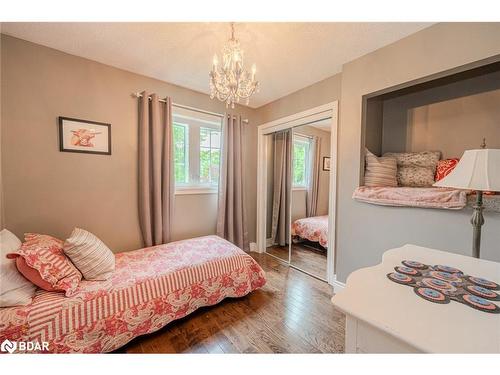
{"x": 231, "y": 213}
{"x": 280, "y": 226}
{"x": 313, "y": 183}
{"x": 156, "y": 170}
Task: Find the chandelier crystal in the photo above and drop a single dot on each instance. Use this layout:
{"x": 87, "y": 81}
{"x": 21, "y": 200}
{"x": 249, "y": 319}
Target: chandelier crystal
{"x": 229, "y": 82}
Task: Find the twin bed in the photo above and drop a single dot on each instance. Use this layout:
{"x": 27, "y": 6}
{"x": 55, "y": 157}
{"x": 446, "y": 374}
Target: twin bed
{"x": 314, "y": 229}
{"x": 149, "y": 288}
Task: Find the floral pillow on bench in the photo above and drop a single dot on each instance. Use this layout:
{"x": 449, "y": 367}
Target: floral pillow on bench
{"x": 416, "y": 169}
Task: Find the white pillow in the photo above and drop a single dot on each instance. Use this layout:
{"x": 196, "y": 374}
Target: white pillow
{"x": 15, "y": 290}
{"x": 90, "y": 255}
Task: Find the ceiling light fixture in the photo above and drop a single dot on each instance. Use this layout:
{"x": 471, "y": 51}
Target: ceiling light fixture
{"x": 229, "y": 82}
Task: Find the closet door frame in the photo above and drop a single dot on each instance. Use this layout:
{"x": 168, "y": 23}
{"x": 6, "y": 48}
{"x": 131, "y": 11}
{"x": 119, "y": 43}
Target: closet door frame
{"x": 288, "y": 122}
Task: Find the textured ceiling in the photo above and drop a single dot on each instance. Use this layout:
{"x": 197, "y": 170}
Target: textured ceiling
{"x": 289, "y": 56}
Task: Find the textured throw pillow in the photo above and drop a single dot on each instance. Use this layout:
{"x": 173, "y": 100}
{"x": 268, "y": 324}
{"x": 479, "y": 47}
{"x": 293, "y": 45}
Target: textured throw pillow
{"x": 418, "y": 159}
{"x": 416, "y": 169}
{"x": 15, "y": 289}
{"x": 44, "y": 254}
{"x": 380, "y": 171}
{"x": 444, "y": 167}
{"x": 415, "y": 176}
{"x": 90, "y": 255}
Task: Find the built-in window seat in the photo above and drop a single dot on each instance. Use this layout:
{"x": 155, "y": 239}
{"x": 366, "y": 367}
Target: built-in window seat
{"x": 428, "y": 197}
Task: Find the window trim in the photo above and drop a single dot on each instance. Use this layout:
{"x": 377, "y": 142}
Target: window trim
{"x": 195, "y": 190}
{"x": 210, "y": 148}
{"x": 193, "y": 147}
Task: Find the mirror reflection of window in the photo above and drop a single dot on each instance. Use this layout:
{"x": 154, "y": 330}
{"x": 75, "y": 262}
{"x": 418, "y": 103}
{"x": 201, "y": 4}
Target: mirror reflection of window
{"x": 301, "y": 161}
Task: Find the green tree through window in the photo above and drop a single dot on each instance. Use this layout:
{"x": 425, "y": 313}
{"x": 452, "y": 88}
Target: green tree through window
{"x": 300, "y": 162}
{"x": 180, "y": 153}
{"x": 196, "y": 150}
{"x": 209, "y": 155}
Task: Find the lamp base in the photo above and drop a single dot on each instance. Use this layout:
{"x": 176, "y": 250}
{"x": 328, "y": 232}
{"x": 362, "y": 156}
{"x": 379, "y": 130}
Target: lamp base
{"x": 477, "y": 222}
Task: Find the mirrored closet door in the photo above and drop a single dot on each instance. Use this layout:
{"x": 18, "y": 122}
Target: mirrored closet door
{"x": 309, "y": 200}
{"x": 298, "y": 175}
{"x": 279, "y": 184}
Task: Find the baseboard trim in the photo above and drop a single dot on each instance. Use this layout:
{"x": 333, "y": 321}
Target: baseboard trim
{"x": 269, "y": 242}
{"x": 254, "y": 248}
{"x": 338, "y": 286}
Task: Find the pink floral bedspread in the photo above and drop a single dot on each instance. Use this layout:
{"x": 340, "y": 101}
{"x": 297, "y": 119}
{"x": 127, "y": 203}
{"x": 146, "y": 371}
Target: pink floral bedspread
{"x": 150, "y": 288}
{"x": 432, "y": 197}
{"x": 314, "y": 229}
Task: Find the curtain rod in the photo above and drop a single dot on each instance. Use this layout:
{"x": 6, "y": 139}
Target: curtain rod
{"x": 139, "y": 95}
{"x": 303, "y": 135}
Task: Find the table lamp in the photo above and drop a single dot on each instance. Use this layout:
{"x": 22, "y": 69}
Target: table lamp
{"x": 477, "y": 170}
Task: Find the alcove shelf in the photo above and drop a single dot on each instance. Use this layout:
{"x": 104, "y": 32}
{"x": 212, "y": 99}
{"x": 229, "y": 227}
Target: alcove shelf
{"x": 451, "y": 111}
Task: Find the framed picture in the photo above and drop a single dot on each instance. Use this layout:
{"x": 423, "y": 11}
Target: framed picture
{"x": 90, "y": 137}
{"x": 326, "y": 163}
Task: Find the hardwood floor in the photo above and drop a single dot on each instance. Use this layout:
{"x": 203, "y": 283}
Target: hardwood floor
{"x": 304, "y": 257}
{"x": 292, "y": 313}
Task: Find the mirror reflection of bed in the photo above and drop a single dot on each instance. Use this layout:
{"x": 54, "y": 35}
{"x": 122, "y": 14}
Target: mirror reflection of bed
{"x": 309, "y": 199}
{"x": 298, "y": 177}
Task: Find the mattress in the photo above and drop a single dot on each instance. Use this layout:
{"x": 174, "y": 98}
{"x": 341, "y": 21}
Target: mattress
{"x": 314, "y": 229}
{"x": 149, "y": 288}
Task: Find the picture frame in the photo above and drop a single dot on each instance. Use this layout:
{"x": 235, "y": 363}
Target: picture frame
{"x": 326, "y": 163}
{"x": 84, "y": 136}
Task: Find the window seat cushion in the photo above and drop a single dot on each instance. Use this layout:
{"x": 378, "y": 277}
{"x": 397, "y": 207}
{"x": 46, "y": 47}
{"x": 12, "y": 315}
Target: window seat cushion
{"x": 429, "y": 197}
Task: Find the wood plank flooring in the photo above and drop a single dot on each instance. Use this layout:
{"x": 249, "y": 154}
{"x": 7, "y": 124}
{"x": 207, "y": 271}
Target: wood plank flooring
{"x": 292, "y": 313}
{"x": 304, "y": 257}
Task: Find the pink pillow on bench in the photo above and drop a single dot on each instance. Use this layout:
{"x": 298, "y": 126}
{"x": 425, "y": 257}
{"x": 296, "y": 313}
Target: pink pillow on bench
{"x": 45, "y": 265}
{"x": 444, "y": 168}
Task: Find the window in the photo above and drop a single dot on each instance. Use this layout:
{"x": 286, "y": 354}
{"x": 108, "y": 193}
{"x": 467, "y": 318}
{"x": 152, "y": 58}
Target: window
{"x": 209, "y": 155}
{"x": 197, "y": 150}
{"x": 300, "y": 162}
{"x": 181, "y": 160}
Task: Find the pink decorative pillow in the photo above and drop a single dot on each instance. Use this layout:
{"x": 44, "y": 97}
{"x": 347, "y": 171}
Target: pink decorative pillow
{"x": 33, "y": 275}
{"x": 444, "y": 168}
{"x": 44, "y": 255}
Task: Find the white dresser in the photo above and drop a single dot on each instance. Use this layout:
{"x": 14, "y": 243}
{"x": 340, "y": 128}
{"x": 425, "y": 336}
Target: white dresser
{"x": 385, "y": 317}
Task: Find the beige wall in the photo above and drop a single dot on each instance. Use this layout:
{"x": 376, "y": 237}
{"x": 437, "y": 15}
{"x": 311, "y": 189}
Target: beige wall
{"x": 322, "y": 92}
{"x": 450, "y": 118}
{"x": 365, "y": 231}
{"x": 50, "y": 191}
{"x": 455, "y": 125}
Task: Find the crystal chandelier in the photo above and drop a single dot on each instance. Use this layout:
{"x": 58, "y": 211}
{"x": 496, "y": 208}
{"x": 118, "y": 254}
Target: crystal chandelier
{"x": 229, "y": 82}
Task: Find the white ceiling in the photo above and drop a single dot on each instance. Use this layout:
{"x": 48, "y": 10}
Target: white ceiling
{"x": 289, "y": 56}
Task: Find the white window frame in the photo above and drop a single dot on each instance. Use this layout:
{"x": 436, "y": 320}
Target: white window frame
{"x": 194, "y": 123}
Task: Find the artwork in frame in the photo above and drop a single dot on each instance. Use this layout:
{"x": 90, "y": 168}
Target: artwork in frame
{"x": 85, "y": 136}
{"x": 326, "y": 163}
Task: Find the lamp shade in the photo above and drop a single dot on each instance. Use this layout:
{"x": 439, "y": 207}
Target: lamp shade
{"x": 476, "y": 170}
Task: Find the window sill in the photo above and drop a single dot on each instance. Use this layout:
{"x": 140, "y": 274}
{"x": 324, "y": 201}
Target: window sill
{"x": 299, "y": 188}
{"x": 195, "y": 191}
